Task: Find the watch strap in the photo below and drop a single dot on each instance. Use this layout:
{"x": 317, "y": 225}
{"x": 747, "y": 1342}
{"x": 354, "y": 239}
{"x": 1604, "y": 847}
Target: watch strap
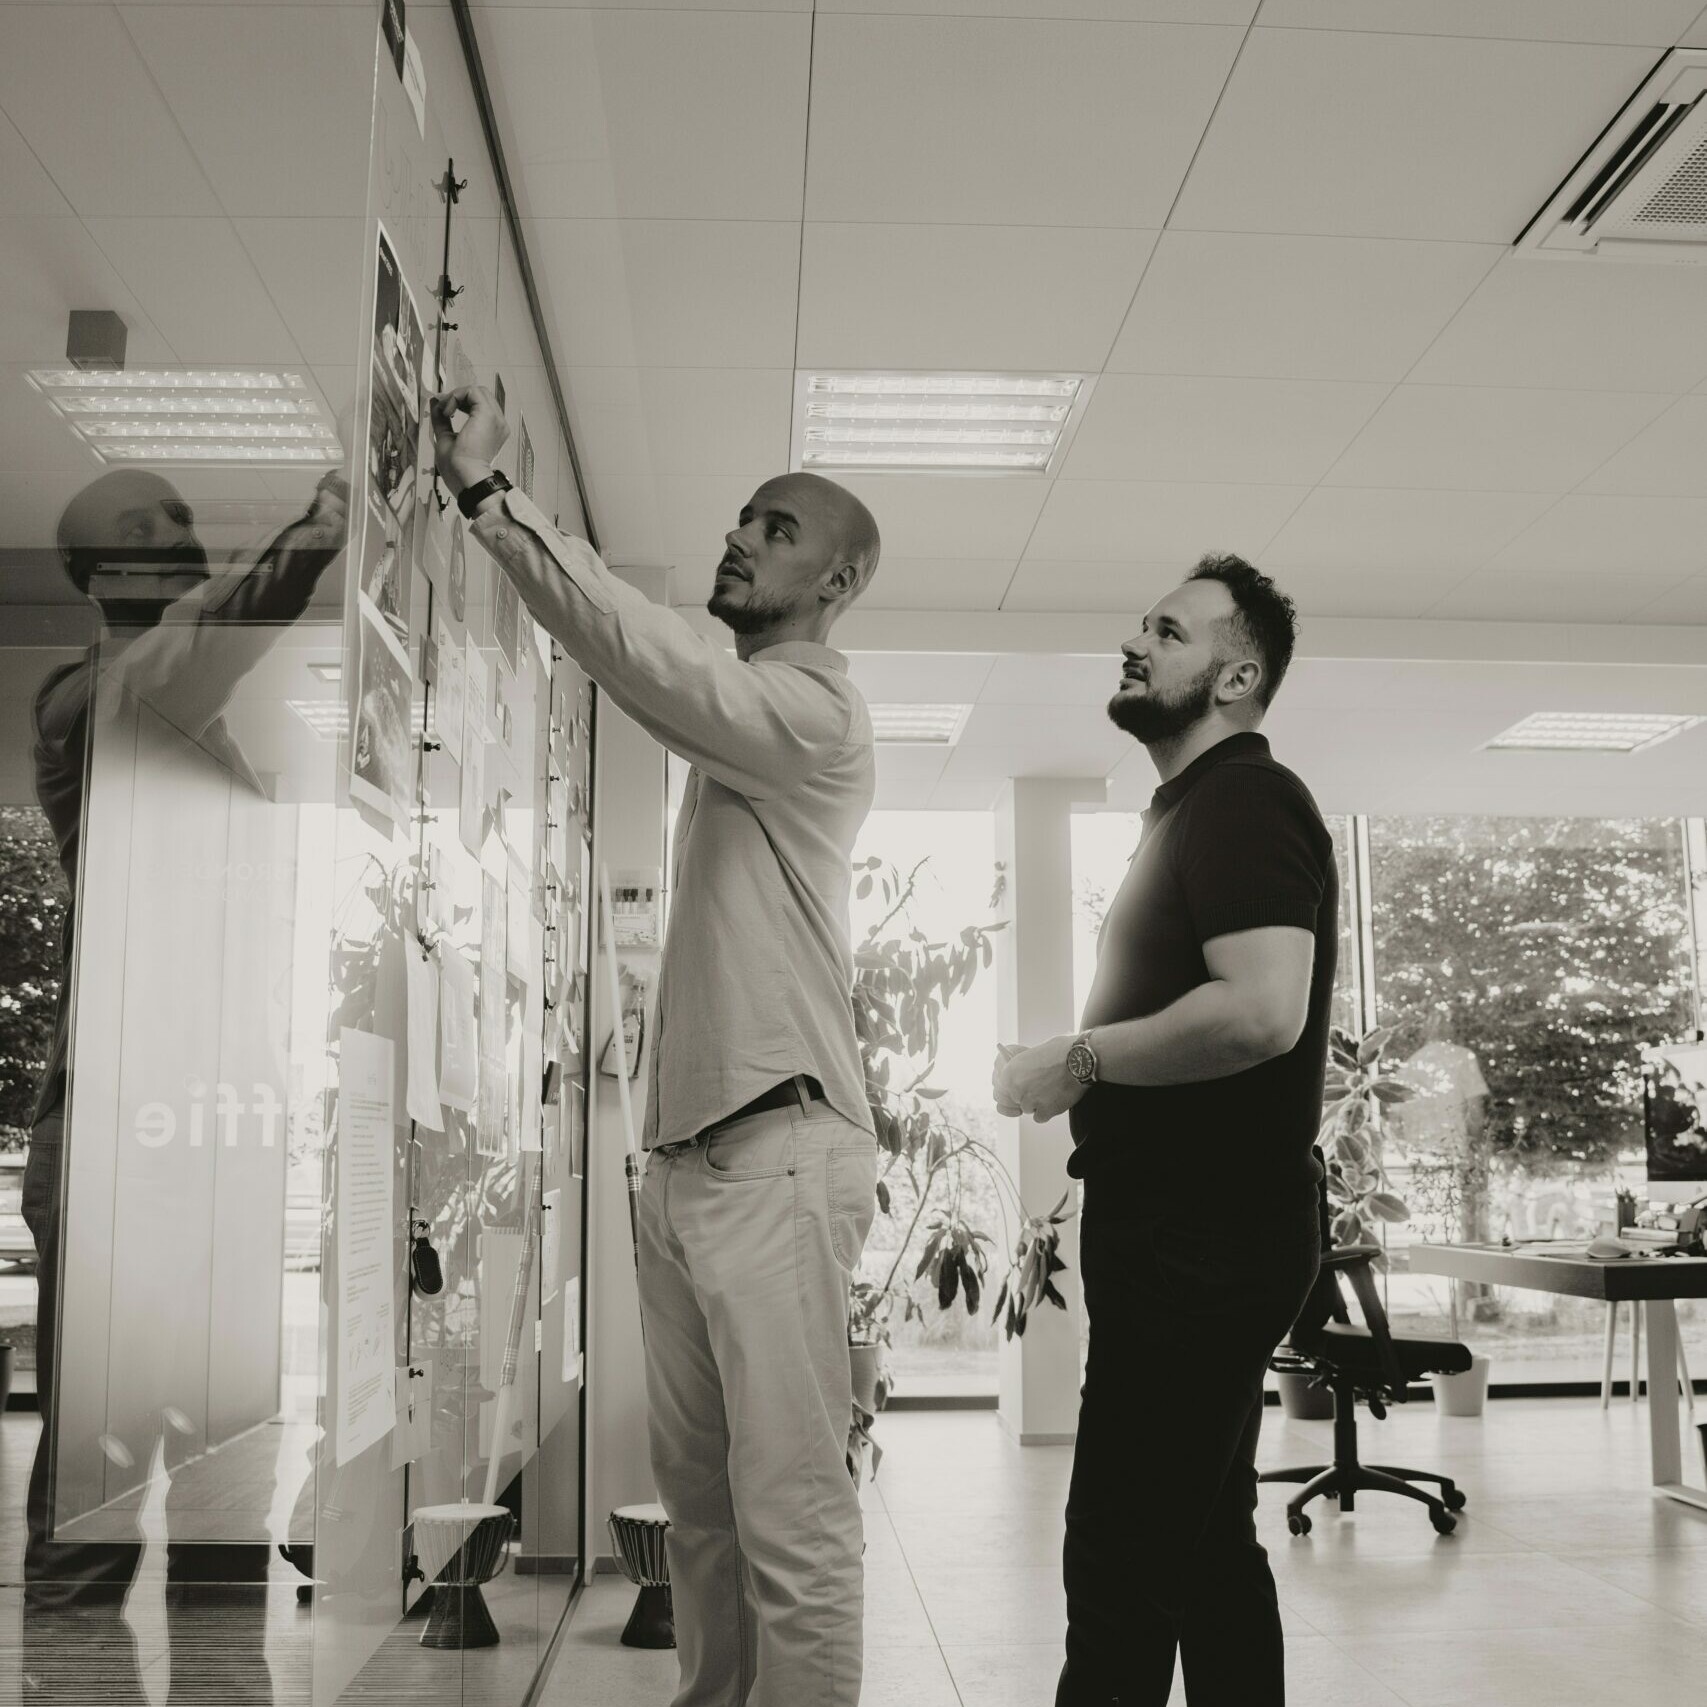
{"x": 472, "y": 497}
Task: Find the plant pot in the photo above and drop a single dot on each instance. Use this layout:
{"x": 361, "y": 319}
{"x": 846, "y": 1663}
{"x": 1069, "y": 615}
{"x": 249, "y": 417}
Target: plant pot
{"x": 865, "y": 1362}
{"x": 1463, "y": 1395}
{"x": 1302, "y": 1402}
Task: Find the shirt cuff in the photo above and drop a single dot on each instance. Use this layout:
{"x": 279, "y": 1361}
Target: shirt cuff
{"x": 574, "y": 557}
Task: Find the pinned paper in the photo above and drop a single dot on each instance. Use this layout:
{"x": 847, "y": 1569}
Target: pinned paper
{"x": 550, "y": 1245}
{"x": 413, "y": 1437}
{"x": 422, "y": 1095}
{"x": 459, "y": 1052}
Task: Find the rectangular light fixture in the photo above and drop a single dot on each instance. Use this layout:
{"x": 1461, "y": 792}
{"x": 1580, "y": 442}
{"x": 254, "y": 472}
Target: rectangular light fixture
{"x": 920, "y": 423}
{"x": 1592, "y": 731}
{"x": 237, "y": 416}
{"x": 918, "y": 725}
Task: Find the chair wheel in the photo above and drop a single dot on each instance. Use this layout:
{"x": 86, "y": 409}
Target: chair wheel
{"x": 1443, "y": 1521}
{"x": 1454, "y": 1501}
{"x": 1299, "y": 1525}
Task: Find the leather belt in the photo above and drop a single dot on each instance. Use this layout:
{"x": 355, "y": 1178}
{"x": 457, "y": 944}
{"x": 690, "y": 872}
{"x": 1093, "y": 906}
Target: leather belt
{"x": 796, "y": 1092}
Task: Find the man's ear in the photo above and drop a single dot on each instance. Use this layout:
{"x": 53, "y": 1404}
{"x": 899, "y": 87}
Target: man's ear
{"x": 1240, "y": 682}
{"x": 841, "y": 583}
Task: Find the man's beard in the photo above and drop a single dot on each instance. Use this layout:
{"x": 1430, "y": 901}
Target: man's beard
{"x": 754, "y": 614}
{"x": 1151, "y": 717}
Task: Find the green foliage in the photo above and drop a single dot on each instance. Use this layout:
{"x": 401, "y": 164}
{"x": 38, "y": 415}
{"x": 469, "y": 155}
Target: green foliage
{"x": 1360, "y": 1089}
{"x": 1555, "y": 948}
{"x": 32, "y": 914}
{"x": 902, "y": 983}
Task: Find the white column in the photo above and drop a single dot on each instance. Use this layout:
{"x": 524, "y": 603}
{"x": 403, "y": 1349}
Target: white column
{"x": 1039, "y": 1374}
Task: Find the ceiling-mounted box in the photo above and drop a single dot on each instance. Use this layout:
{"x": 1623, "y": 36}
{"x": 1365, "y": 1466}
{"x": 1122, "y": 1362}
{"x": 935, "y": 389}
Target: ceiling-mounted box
{"x": 1640, "y": 194}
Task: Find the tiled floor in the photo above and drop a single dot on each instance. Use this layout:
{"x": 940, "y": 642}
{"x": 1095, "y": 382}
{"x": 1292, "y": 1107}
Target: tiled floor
{"x": 1566, "y": 1583}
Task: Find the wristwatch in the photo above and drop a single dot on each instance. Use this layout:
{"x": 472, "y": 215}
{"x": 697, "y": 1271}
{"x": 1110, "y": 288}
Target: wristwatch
{"x": 472, "y": 497}
{"x": 1082, "y": 1059}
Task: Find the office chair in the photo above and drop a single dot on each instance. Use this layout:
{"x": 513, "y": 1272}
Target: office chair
{"x": 1371, "y": 1363}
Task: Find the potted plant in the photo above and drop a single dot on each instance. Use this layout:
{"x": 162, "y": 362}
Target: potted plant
{"x": 1360, "y": 1087}
{"x": 902, "y": 983}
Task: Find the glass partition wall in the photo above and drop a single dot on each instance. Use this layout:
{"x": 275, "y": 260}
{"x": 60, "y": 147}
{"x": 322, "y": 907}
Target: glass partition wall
{"x": 296, "y": 813}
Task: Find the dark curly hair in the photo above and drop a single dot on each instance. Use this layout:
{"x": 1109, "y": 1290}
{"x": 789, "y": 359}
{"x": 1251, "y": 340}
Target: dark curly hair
{"x": 1264, "y": 619}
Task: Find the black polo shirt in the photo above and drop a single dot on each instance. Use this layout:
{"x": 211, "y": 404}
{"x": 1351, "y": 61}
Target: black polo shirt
{"x": 1233, "y": 843}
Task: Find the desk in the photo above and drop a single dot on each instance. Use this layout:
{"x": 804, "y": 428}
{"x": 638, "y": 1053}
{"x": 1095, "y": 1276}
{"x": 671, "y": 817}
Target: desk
{"x": 1655, "y": 1281}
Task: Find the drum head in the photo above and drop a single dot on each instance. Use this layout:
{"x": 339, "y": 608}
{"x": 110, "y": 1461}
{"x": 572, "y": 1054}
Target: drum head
{"x": 645, "y": 1514}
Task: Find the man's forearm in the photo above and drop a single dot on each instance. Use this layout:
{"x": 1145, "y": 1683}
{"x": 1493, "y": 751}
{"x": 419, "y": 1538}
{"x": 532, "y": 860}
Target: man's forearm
{"x": 1208, "y": 1033}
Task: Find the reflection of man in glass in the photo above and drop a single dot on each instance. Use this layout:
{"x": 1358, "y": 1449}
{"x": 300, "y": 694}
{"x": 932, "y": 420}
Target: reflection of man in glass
{"x": 128, "y": 543}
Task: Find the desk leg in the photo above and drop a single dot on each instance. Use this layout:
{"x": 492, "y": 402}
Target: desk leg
{"x": 1665, "y": 1404}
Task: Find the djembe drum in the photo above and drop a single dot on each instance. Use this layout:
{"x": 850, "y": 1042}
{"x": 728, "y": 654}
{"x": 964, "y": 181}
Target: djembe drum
{"x": 637, "y": 1539}
{"x": 460, "y": 1547}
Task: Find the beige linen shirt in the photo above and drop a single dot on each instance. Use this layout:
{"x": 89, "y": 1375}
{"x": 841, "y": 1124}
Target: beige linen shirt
{"x": 757, "y": 978}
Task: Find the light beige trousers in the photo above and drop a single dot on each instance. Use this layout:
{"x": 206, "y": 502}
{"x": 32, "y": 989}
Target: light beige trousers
{"x": 748, "y": 1244}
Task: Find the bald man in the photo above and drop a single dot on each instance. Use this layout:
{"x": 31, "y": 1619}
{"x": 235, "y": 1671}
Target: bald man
{"x": 761, "y": 1176}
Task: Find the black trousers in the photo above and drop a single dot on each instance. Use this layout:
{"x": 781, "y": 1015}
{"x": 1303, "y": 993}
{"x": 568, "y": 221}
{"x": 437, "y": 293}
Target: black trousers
{"x": 1161, "y": 1553}
{"x": 76, "y": 1643}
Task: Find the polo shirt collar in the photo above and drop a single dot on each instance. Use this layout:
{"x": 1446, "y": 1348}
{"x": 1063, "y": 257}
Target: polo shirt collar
{"x": 1174, "y": 790}
{"x": 802, "y": 652}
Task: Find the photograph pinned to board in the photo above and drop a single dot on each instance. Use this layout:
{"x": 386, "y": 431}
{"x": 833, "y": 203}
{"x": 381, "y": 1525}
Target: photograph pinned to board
{"x": 381, "y": 772}
{"x": 385, "y": 567}
{"x": 398, "y": 340}
{"x": 394, "y": 29}
{"x": 390, "y": 444}
{"x": 507, "y": 620}
{"x": 524, "y": 455}
{"x": 450, "y": 687}
{"x": 414, "y": 75}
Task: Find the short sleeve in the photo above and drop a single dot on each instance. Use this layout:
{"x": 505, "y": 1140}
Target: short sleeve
{"x": 1254, "y": 853}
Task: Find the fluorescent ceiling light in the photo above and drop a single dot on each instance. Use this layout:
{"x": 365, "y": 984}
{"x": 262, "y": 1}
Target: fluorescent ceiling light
{"x": 240, "y": 415}
{"x": 987, "y": 423}
{"x": 330, "y": 718}
{"x": 918, "y": 725}
{"x": 1592, "y": 732}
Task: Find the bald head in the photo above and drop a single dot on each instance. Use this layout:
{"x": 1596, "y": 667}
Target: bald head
{"x": 128, "y": 541}
{"x": 846, "y": 521}
{"x": 111, "y": 507}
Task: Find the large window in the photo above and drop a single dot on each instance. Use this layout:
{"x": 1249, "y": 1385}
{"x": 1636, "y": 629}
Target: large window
{"x": 1523, "y": 964}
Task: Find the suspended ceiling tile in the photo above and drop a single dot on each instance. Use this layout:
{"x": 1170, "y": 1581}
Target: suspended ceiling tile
{"x": 717, "y": 421}
{"x": 1236, "y": 12}
{"x": 920, "y": 678}
{"x": 1366, "y": 135}
{"x": 1481, "y": 439}
{"x": 301, "y": 150}
{"x": 32, "y": 500}
{"x": 313, "y": 269}
{"x": 26, "y": 191}
{"x": 636, "y": 114}
{"x": 1642, "y": 23}
{"x": 115, "y": 148}
{"x": 1684, "y": 603}
{"x": 33, "y": 436}
{"x": 1696, "y": 35}
{"x": 1577, "y": 326}
{"x": 609, "y": 418}
{"x": 1190, "y": 427}
{"x": 1615, "y": 536}
{"x": 1126, "y": 589}
{"x": 1054, "y": 678}
{"x": 199, "y": 287}
{"x": 1007, "y": 121}
{"x": 944, "y": 583}
{"x": 1294, "y": 307}
{"x": 1365, "y": 593}
{"x": 1510, "y": 595}
{"x": 669, "y": 293}
{"x": 695, "y": 512}
{"x": 1385, "y": 531}
{"x": 906, "y": 776}
{"x": 49, "y": 266}
{"x": 1667, "y": 458}
{"x": 1157, "y": 522}
{"x": 1005, "y": 297}
{"x": 944, "y": 515}
{"x": 625, "y": 516}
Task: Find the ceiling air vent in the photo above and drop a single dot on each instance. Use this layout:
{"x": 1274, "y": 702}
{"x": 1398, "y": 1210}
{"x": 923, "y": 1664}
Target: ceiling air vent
{"x": 1640, "y": 194}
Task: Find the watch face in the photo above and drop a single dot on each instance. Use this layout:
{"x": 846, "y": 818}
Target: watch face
{"x": 1081, "y": 1063}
